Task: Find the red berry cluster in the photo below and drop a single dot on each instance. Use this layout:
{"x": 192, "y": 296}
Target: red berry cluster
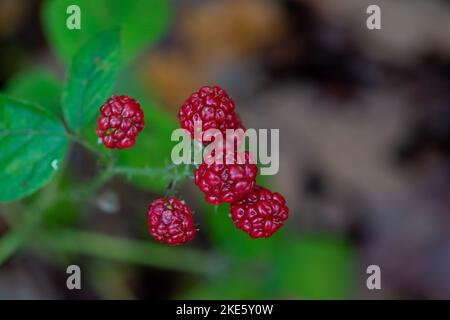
{"x": 121, "y": 119}
{"x": 260, "y": 213}
{"x": 226, "y": 183}
{"x": 232, "y": 180}
{"x": 254, "y": 209}
{"x": 213, "y": 107}
{"x": 170, "y": 221}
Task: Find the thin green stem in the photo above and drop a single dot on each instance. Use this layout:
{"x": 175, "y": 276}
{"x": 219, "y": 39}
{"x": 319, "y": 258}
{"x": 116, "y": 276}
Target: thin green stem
{"x": 144, "y": 171}
{"x": 76, "y": 139}
{"x": 89, "y": 189}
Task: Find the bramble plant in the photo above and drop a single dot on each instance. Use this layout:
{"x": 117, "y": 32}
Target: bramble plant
{"x": 45, "y": 138}
{"x": 35, "y": 141}
{"x": 45, "y": 123}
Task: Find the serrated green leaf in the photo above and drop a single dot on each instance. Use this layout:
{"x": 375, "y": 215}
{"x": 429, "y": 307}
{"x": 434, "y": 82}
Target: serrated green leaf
{"x": 91, "y": 78}
{"x": 40, "y": 86}
{"x": 142, "y": 22}
{"x": 32, "y": 143}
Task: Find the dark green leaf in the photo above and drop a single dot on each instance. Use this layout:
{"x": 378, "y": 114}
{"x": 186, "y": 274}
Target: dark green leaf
{"x": 40, "y": 86}
{"x": 32, "y": 143}
{"x": 91, "y": 78}
{"x": 142, "y": 22}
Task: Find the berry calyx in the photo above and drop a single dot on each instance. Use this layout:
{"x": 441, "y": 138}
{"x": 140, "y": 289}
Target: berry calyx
{"x": 213, "y": 107}
{"x": 170, "y": 221}
{"x": 226, "y": 182}
{"x": 120, "y": 121}
{"x": 260, "y": 213}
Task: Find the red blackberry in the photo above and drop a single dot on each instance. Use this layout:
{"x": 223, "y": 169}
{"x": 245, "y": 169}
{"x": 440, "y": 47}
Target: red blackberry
{"x": 222, "y": 182}
{"x": 121, "y": 119}
{"x": 213, "y": 107}
{"x": 260, "y": 213}
{"x": 170, "y": 221}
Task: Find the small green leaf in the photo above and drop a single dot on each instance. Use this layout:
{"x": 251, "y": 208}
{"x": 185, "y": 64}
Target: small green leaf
{"x": 142, "y": 22}
{"x": 91, "y": 78}
{"x": 40, "y": 86}
{"x": 33, "y": 143}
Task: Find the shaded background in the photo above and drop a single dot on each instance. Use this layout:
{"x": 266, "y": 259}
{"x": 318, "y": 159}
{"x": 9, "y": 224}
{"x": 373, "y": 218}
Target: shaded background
{"x": 364, "y": 120}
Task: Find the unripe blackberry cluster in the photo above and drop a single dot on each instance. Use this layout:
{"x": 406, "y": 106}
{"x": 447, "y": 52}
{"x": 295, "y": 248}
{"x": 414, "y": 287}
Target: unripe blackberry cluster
{"x": 260, "y": 213}
{"x": 226, "y": 183}
{"x": 120, "y": 121}
{"x": 228, "y": 177}
{"x": 213, "y": 107}
{"x": 253, "y": 209}
{"x": 170, "y": 221}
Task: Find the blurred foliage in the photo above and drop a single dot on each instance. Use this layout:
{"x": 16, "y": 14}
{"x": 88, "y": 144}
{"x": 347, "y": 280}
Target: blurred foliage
{"x": 142, "y": 22}
{"x": 38, "y": 85}
{"x": 315, "y": 267}
{"x": 286, "y": 266}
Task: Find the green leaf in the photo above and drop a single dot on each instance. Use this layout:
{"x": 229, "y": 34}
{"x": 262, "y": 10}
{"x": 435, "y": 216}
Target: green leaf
{"x": 33, "y": 143}
{"x": 142, "y": 22}
{"x": 40, "y": 86}
{"x": 91, "y": 78}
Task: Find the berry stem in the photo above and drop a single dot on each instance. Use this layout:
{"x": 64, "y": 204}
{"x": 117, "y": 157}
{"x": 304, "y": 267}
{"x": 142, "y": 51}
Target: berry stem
{"x": 94, "y": 184}
{"x": 87, "y": 146}
{"x": 170, "y": 171}
{"x": 170, "y": 188}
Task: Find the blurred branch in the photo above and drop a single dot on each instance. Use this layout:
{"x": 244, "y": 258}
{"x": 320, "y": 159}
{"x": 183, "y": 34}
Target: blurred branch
{"x": 11, "y": 242}
{"x": 18, "y": 235}
{"x": 132, "y": 251}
